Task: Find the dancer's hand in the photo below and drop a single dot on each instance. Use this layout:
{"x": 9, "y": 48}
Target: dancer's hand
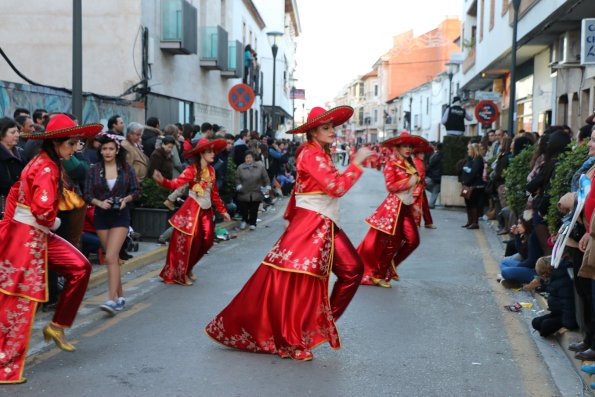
{"x": 226, "y": 217}
{"x": 158, "y": 177}
{"x": 362, "y": 154}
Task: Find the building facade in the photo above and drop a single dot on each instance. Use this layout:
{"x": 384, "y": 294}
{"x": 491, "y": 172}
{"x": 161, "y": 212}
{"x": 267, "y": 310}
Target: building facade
{"x": 173, "y": 59}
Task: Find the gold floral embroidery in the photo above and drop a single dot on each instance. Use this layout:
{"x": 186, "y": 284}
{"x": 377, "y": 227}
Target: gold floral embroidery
{"x": 14, "y": 333}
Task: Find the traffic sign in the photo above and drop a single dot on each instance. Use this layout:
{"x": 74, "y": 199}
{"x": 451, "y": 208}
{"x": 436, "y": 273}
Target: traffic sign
{"x": 241, "y": 97}
{"x": 486, "y": 112}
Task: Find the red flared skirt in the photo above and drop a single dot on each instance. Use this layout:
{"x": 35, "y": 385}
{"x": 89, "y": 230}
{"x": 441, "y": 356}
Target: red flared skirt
{"x": 277, "y": 312}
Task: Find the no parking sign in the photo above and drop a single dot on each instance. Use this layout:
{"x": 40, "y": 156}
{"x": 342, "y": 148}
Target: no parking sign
{"x": 241, "y": 97}
{"x": 486, "y": 112}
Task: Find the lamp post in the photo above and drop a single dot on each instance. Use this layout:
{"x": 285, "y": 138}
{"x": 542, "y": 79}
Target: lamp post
{"x": 273, "y": 36}
{"x": 293, "y": 80}
{"x": 451, "y": 69}
{"x": 512, "y": 98}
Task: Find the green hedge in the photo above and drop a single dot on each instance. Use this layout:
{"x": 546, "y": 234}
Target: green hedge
{"x": 454, "y": 149}
{"x": 516, "y": 179}
{"x": 568, "y": 163}
{"x": 152, "y": 195}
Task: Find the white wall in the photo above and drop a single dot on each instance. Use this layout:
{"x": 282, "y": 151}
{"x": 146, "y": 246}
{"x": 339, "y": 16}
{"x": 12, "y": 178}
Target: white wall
{"x": 543, "y": 99}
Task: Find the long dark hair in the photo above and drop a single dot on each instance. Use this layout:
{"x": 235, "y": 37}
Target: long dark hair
{"x": 120, "y": 155}
{"x": 48, "y": 147}
{"x": 310, "y": 138}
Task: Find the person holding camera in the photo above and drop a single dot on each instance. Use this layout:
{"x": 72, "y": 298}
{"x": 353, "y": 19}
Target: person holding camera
{"x": 111, "y": 184}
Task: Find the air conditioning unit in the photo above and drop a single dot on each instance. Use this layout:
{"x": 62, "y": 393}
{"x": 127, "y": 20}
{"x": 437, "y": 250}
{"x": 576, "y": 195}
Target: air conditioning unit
{"x": 568, "y": 51}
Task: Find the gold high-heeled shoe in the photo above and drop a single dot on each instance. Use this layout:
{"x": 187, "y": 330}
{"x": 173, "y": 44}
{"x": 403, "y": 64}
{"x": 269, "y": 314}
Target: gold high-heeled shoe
{"x": 57, "y": 334}
{"x": 381, "y": 283}
{"x": 192, "y": 277}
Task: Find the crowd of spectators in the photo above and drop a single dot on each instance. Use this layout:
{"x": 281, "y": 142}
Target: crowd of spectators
{"x": 107, "y": 175}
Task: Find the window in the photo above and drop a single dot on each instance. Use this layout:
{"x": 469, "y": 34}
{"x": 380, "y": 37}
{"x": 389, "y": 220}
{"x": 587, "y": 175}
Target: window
{"x": 427, "y": 105}
{"x": 376, "y": 115}
{"x": 416, "y": 121}
{"x": 375, "y": 89}
{"x": 361, "y": 89}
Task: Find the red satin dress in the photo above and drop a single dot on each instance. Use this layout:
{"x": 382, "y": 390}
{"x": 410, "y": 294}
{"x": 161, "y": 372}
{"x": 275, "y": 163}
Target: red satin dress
{"x": 393, "y": 234}
{"x": 28, "y": 249}
{"x": 284, "y": 308}
{"x": 421, "y": 198}
{"x": 194, "y": 228}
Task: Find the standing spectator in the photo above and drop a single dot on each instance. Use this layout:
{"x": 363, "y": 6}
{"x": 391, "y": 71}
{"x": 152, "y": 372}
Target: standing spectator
{"x": 161, "y": 159}
{"x": 11, "y": 158}
{"x": 188, "y": 134}
{"x": 111, "y": 185}
{"x": 25, "y": 126}
{"x": 434, "y": 175}
{"x": 39, "y": 116}
{"x": 240, "y": 147}
{"x": 251, "y": 178}
{"x": 206, "y": 130}
{"x": 134, "y": 153}
{"x": 172, "y": 130}
{"x": 150, "y": 134}
{"x": 20, "y": 111}
{"x": 472, "y": 177}
{"x": 276, "y": 159}
{"x": 115, "y": 125}
{"x": 454, "y": 118}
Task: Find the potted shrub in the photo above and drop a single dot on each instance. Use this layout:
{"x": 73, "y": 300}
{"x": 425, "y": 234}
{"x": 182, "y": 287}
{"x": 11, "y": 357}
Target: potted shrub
{"x": 150, "y": 218}
{"x": 516, "y": 179}
{"x": 454, "y": 149}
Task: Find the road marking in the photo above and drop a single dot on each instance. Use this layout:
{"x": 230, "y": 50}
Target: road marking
{"x": 528, "y": 360}
{"x": 115, "y": 320}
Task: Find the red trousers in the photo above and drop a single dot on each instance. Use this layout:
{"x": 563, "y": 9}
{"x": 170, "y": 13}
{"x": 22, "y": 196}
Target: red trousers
{"x": 348, "y": 268}
{"x": 185, "y": 250}
{"x": 381, "y": 253}
{"x": 17, "y": 313}
{"x": 425, "y": 208}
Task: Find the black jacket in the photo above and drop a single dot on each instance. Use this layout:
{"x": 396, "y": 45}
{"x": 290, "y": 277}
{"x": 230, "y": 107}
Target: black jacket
{"x": 434, "y": 168}
{"x": 472, "y": 174}
{"x": 149, "y": 139}
{"x": 561, "y": 296}
{"x": 11, "y": 166}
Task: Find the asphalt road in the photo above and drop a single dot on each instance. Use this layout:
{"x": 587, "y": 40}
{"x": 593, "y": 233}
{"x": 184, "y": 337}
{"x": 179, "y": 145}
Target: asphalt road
{"x": 440, "y": 331}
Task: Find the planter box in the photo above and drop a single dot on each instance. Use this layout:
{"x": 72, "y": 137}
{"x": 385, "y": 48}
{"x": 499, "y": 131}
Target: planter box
{"x": 450, "y": 191}
{"x": 150, "y": 222}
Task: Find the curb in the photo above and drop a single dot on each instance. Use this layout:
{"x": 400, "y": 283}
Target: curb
{"x": 156, "y": 255}
{"x": 563, "y": 340}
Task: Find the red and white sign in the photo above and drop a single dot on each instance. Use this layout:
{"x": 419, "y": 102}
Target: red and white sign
{"x": 486, "y": 112}
{"x": 241, "y": 97}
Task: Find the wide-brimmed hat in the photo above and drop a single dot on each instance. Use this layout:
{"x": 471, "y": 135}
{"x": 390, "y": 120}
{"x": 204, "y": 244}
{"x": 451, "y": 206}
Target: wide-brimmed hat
{"x": 405, "y": 138}
{"x": 218, "y": 145}
{"x": 423, "y": 149}
{"x": 319, "y": 116}
{"x": 62, "y": 126}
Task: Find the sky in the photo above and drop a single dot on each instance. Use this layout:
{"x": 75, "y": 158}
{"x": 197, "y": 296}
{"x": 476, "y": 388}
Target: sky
{"x": 341, "y": 40}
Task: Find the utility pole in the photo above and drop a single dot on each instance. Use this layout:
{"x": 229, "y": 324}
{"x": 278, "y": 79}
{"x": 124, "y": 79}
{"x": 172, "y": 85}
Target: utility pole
{"x": 512, "y": 98}
{"x": 77, "y": 60}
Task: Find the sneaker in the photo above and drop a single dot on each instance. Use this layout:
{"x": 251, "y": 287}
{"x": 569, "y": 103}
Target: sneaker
{"x": 109, "y": 307}
{"x": 243, "y": 225}
{"x": 120, "y": 302}
{"x": 252, "y": 227}
{"x": 258, "y": 220}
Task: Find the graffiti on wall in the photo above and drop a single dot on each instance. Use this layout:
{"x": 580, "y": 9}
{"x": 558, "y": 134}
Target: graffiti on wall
{"x": 15, "y": 95}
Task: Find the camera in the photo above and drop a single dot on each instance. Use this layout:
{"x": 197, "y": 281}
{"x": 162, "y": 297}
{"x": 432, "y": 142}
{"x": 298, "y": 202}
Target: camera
{"x": 116, "y": 203}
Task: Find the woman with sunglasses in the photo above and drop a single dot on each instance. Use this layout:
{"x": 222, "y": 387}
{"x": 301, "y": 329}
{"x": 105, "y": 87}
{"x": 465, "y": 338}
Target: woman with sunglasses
{"x": 194, "y": 228}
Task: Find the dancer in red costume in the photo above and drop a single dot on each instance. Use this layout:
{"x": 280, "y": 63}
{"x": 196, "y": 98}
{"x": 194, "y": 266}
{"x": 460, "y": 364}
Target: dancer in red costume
{"x": 29, "y": 248}
{"x": 284, "y": 308}
{"x": 393, "y": 235}
{"x": 194, "y": 229}
{"x": 421, "y": 199}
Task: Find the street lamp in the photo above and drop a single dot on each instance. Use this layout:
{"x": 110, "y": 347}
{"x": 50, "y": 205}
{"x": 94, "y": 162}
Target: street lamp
{"x": 451, "y": 69}
{"x": 273, "y": 36}
{"x": 293, "y": 80}
{"x": 512, "y": 98}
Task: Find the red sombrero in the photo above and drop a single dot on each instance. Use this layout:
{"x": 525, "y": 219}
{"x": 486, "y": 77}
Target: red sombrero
{"x": 319, "y": 116}
{"x": 62, "y": 126}
{"x": 423, "y": 149}
{"x": 406, "y": 138}
{"x": 216, "y": 144}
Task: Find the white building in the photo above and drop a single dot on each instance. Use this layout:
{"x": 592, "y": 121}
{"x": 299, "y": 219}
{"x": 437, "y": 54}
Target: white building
{"x": 174, "y": 59}
{"x": 551, "y": 85}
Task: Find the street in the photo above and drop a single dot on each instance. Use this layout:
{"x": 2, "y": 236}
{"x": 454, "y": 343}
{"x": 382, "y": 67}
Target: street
{"x": 440, "y": 331}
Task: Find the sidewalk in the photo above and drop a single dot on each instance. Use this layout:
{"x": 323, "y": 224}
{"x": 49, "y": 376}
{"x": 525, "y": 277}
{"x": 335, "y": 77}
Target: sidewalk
{"x": 541, "y": 308}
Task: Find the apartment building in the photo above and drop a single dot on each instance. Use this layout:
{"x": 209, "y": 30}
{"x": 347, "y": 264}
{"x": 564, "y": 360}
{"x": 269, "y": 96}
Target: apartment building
{"x": 174, "y": 59}
{"x": 552, "y": 87}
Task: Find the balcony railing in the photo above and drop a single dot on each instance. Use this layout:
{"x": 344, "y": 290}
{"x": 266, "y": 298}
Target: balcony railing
{"x": 235, "y": 61}
{"x": 178, "y": 27}
{"x": 214, "y": 48}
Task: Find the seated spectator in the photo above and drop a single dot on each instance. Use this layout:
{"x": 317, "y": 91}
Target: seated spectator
{"x": 161, "y": 159}
{"x": 560, "y": 299}
{"x": 533, "y": 229}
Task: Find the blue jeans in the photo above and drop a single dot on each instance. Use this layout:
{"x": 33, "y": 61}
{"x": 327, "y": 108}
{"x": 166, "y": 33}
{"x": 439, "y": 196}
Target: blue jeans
{"x": 510, "y": 270}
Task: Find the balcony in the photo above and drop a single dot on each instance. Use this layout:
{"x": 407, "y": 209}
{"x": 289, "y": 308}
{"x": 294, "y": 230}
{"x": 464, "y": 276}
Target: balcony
{"x": 214, "y": 48}
{"x": 469, "y": 60}
{"x": 178, "y": 27}
{"x": 235, "y": 61}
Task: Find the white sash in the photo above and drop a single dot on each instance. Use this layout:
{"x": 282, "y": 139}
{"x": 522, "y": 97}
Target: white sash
{"x": 24, "y": 215}
{"x": 320, "y": 203}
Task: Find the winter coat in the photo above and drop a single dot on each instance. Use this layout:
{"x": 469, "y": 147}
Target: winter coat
{"x": 11, "y": 165}
{"x": 561, "y": 296}
{"x": 251, "y": 177}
